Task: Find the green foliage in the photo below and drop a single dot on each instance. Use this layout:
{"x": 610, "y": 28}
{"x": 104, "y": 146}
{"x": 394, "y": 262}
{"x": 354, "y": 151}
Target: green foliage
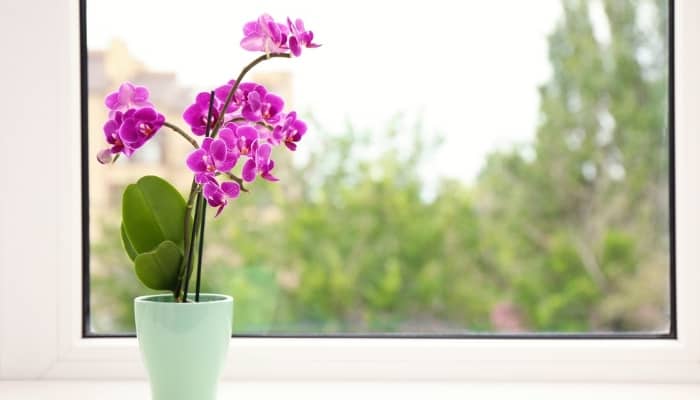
{"x": 583, "y": 214}
{"x": 152, "y": 230}
{"x": 158, "y": 269}
{"x": 619, "y": 257}
{"x": 257, "y": 293}
{"x": 152, "y": 211}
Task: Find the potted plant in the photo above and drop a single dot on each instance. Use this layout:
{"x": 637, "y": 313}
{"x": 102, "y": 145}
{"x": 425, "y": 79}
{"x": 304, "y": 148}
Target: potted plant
{"x": 184, "y": 336}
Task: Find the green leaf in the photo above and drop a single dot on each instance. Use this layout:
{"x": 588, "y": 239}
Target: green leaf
{"x": 128, "y": 247}
{"x": 158, "y": 269}
{"x": 153, "y": 211}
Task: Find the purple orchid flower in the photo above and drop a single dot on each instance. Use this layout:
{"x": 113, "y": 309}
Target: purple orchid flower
{"x": 220, "y": 95}
{"x": 251, "y": 125}
{"x": 265, "y": 108}
{"x": 128, "y": 131}
{"x": 111, "y": 131}
{"x": 218, "y": 195}
{"x": 196, "y": 114}
{"x": 264, "y": 35}
{"x": 245, "y": 89}
{"x": 260, "y": 163}
{"x": 138, "y": 126}
{"x": 256, "y": 94}
{"x": 299, "y": 37}
{"x": 128, "y": 96}
{"x": 240, "y": 138}
{"x": 290, "y": 131}
{"x": 214, "y": 156}
{"x": 259, "y": 104}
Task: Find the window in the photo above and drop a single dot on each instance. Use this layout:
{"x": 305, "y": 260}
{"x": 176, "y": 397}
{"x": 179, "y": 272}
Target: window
{"x": 450, "y": 185}
{"x": 40, "y": 275}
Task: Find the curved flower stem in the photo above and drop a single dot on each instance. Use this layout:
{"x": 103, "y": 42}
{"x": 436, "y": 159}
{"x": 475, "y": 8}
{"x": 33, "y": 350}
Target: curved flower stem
{"x": 244, "y": 71}
{"x": 268, "y": 126}
{"x": 182, "y": 133}
{"x": 260, "y": 123}
{"x": 236, "y": 179}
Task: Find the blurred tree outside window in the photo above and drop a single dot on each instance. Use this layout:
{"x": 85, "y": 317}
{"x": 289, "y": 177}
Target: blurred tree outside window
{"x": 564, "y": 231}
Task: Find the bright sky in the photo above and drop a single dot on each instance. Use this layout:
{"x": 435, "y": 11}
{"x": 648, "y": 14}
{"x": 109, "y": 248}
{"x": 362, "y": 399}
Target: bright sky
{"x": 471, "y": 67}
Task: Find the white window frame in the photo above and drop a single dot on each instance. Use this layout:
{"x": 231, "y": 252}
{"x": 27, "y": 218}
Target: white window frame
{"x": 40, "y": 269}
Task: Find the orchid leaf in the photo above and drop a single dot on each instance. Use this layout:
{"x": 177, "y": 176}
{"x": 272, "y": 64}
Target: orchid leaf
{"x": 153, "y": 211}
{"x": 158, "y": 269}
{"x": 128, "y": 247}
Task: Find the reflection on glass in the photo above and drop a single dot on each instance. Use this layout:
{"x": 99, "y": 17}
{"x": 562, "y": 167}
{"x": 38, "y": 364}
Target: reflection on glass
{"x": 499, "y": 170}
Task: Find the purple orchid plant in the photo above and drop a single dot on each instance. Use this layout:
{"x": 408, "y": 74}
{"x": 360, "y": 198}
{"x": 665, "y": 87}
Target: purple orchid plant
{"x": 239, "y": 123}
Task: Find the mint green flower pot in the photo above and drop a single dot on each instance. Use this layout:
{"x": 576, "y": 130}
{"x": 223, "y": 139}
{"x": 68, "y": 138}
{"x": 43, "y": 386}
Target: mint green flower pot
{"x": 183, "y": 345}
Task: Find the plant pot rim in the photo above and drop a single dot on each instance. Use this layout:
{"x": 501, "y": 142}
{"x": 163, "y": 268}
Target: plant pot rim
{"x": 156, "y": 299}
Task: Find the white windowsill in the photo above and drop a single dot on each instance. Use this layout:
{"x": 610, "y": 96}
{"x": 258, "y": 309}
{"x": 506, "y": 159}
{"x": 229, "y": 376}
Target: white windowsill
{"x": 136, "y": 390}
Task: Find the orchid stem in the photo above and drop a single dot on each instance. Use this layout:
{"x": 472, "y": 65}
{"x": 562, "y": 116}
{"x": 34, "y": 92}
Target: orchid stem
{"x": 236, "y": 179}
{"x": 182, "y": 133}
{"x": 202, "y": 210}
{"x": 198, "y": 279}
{"x": 190, "y": 252}
{"x": 259, "y": 123}
{"x": 244, "y": 71}
{"x": 186, "y": 267}
{"x": 188, "y": 241}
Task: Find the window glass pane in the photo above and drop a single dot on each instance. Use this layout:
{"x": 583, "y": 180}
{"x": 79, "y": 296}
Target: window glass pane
{"x": 470, "y": 167}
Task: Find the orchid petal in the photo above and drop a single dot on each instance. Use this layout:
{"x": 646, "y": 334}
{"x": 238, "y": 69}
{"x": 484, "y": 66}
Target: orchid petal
{"x": 263, "y": 152}
{"x": 250, "y": 28}
{"x": 228, "y": 136}
{"x": 204, "y": 177}
{"x": 294, "y": 46}
{"x": 125, "y": 91}
{"x": 231, "y": 189}
{"x": 217, "y": 150}
{"x": 211, "y": 192}
{"x": 266, "y": 172}
{"x": 253, "y": 43}
{"x": 275, "y": 103}
{"x": 112, "y": 101}
{"x": 249, "y": 170}
{"x": 247, "y": 132}
{"x": 140, "y": 94}
{"x": 195, "y": 161}
{"x": 128, "y": 132}
{"x": 147, "y": 114}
